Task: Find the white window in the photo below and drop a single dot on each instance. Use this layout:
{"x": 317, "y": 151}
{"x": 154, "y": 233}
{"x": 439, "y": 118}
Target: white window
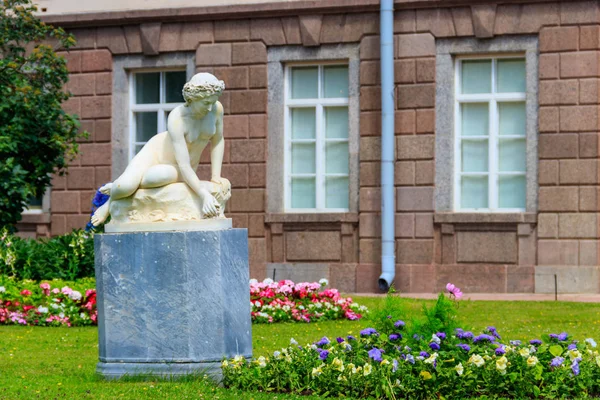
{"x": 153, "y": 95}
{"x": 490, "y": 131}
{"x": 316, "y": 138}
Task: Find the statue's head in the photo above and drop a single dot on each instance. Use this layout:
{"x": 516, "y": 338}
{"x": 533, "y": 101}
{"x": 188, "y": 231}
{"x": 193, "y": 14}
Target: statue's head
{"x": 201, "y": 86}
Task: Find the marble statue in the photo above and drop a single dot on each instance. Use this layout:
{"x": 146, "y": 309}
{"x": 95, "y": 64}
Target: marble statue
{"x": 160, "y": 183}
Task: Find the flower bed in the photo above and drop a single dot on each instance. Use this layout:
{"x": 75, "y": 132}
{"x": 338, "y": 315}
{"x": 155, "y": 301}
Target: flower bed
{"x": 286, "y": 301}
{"x": 54, "y": 303}
{"x": 397, "y": 362}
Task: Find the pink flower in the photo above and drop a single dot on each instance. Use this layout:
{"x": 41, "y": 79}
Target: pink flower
{"x": 25, "y": 292}
{"x": 453, "y": 290}
{"x": 45, "y": 288}
{"x": 55, "y": 291}
{"x": 66, "y": 290}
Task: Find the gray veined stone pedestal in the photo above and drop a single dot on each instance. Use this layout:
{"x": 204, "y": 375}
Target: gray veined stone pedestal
{"x": 172, "y": 303}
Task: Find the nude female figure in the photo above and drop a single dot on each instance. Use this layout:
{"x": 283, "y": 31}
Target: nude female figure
{"x": 174, "y": 155}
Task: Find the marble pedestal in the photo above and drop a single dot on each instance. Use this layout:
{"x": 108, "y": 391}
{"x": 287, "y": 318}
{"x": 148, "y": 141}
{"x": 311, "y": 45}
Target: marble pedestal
{"x": 172, "y": 303}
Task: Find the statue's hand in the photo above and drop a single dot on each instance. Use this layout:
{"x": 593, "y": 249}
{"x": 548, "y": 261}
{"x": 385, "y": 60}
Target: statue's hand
{"x": 210, "y": 206}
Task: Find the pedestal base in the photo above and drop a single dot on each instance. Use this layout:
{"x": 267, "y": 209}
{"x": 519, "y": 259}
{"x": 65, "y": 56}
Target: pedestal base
{"x": 172, "y": 303}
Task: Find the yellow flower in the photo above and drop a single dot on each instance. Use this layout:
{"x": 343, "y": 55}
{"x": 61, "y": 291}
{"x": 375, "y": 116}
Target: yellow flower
{"x": 338, "y": 364}
{"x": 238, "y": 359}
{"x": 524, "y": 352}
{"x": 598, "y": 361}
{"x": 425, "y": 375}
{"x": 431, "y": 359}
{"x": 317, "y": 371}
{"x": 367, "y": 369}
{"x": 288, "y": 359}
{"x": 477, "y": 360}
{"x": 224, "y": 364}
{"x": 501, "y": 364}
{"x": 532, "y": 361}
{"x": 342, "y": 378}
{"x": 487, "y": 358}
{"x": 573, "y": 354}
{"x": 385, "y": 362}
{"x": 459, "y": 369}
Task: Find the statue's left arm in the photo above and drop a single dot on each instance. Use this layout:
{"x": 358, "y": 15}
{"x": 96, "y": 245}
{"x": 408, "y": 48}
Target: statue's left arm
{"x": 217, "y": 146}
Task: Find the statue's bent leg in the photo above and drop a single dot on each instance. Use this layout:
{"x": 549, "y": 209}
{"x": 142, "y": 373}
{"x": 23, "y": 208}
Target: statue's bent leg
{"x": 159, "y": 175}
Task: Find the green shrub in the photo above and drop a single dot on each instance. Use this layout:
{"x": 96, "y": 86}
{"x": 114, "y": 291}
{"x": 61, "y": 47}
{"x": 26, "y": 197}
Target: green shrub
{"x": 68, "y": 257}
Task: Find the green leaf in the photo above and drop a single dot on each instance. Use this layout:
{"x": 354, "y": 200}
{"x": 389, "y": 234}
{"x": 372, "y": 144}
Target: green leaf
{"x": 556, "y": 350}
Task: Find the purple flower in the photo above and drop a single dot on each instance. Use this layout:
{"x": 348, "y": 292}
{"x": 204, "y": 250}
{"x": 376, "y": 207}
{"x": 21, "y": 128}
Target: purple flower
{"x": 484, "y": 337}
{"x": 535, "y": 342}
{"x": 375, "y": 354}
{"x": 410, "y": 358}
{"x": 424, "y": 354}
{"x": 493, "y": 331}
{"x": 399, "y": 324}
{"x": 395, "y": 336}
{"x": 572, "y": 346}
{"x": 394, "y": 365}
{"x": 441, "y": 335}
{"x": 515, "y": 342}
{"x": 348, "y": 347}
{"x": 464, "y": 335}
{"x": 557, "y": 362}
{"x": 389, "y": 317}
{"x": 434, "y": 346}
{"x": 323, "y": 354}
{"x": 407, "y": 349}
{"x": 368, "y": 332}
{"x": 500, "y": 351}
{"x": 339, "y": 339}
{"x": 575, "y": 366}
{"x": 350, "y": 337}
{"x": 324, "y": 340}
{"x": 417, "y": 337}
{"x": 562, "y": 336}
{"x": 463, "y": 346}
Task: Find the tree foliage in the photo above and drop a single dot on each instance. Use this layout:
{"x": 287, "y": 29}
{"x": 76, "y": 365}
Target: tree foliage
{"x": 37, "y": 138}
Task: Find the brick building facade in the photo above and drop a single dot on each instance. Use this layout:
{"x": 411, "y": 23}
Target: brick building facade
{"x": 555, "y": 233}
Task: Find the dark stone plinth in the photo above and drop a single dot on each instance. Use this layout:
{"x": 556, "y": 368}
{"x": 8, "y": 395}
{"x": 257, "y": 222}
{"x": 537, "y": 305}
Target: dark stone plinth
{"x": 172, "y": 303}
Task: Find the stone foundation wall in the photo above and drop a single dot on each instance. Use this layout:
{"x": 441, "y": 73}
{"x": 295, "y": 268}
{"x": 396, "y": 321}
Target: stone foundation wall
{"x": 480, "y": 255}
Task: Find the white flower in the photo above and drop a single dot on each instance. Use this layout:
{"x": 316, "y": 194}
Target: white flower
{"x": 591, "y": 342}
{"x": 436, "y": 339}
{"x": 2, "y": 289}
{"x": 431, "y": 358}
{"x": 253, "y": 281}
{"x": 524, "y": 352}
{"x": 268, "y": 281}
{"x": 62, "y": 315}
{"x": 501, "y": 364}
{"x": 313, "y": 347}
{"x": 317, "y": 371}
{"x": 573, "y": 354}
{"x": 323, "y": 282}
{"x": 276, "y": 354}
{"x": 75, "y": 295}
{"x": 532, "y": 361}
{"x": 43, "y": 309}
{"x": 82, "y": 316}
{"x": 257, "y": 304}
{"x": 54, "y": 305}
{"x": 293, "y": 342}
{"x": 459, "y": 369}
{"x": 477, "y": 360}
{"x": 367, "y": 369}
{"x": 262, "y": 362}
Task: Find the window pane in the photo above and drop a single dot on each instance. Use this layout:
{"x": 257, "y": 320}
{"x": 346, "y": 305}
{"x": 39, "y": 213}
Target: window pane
{"x": 35, "y": 202}
{"x": 145, "y": 125}
{"x": 336, "y": 158}
{"x": 305, "y": 82}
{"x": 512, "y": 155}
{"x": 303, "y": 193}
{"x": 476, "y": 76}
{"x": 303, "y": 158}
{"x": 474, "y": 192}
{"x": 335, "y": 81}
{"x": 511, "y": 76}
{"x": 336, "y": 192}
{"x": 511, "y": 192}
{"x": 336, "y": 122}
{"x": 512, "y": 118}
{"x": 147, "y": 85}
{"x": 474, "y": 157}
{"x": 474, "y": 119}
{"x": 303, "y": 123}
{"x": 174, "y": 85}
{"x": 138, "y": 147}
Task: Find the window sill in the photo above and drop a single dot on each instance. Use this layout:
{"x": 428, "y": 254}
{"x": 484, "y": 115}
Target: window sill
{"x": 35, "y": 218}
{"x": 484, "y": 218}
{"x": 279, "y": 218}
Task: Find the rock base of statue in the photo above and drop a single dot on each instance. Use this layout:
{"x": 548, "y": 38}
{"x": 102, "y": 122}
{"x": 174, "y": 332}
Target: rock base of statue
{"x": 172, "y": 303}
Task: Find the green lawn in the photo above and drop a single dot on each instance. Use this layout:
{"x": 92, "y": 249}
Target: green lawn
{"x": 49, "y": 363}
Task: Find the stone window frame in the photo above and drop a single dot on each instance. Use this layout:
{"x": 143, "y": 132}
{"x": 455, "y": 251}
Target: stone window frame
{"x": 277, "y": 58}
{"x": 447, "y": 50}
{"x": 122, "y": 68}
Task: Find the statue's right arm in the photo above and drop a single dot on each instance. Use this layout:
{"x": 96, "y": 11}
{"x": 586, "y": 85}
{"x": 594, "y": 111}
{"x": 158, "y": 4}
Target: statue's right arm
{"x": 175, "y": 127}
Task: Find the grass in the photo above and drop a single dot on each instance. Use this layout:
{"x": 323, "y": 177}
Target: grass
{"x": 59, "y": 363}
